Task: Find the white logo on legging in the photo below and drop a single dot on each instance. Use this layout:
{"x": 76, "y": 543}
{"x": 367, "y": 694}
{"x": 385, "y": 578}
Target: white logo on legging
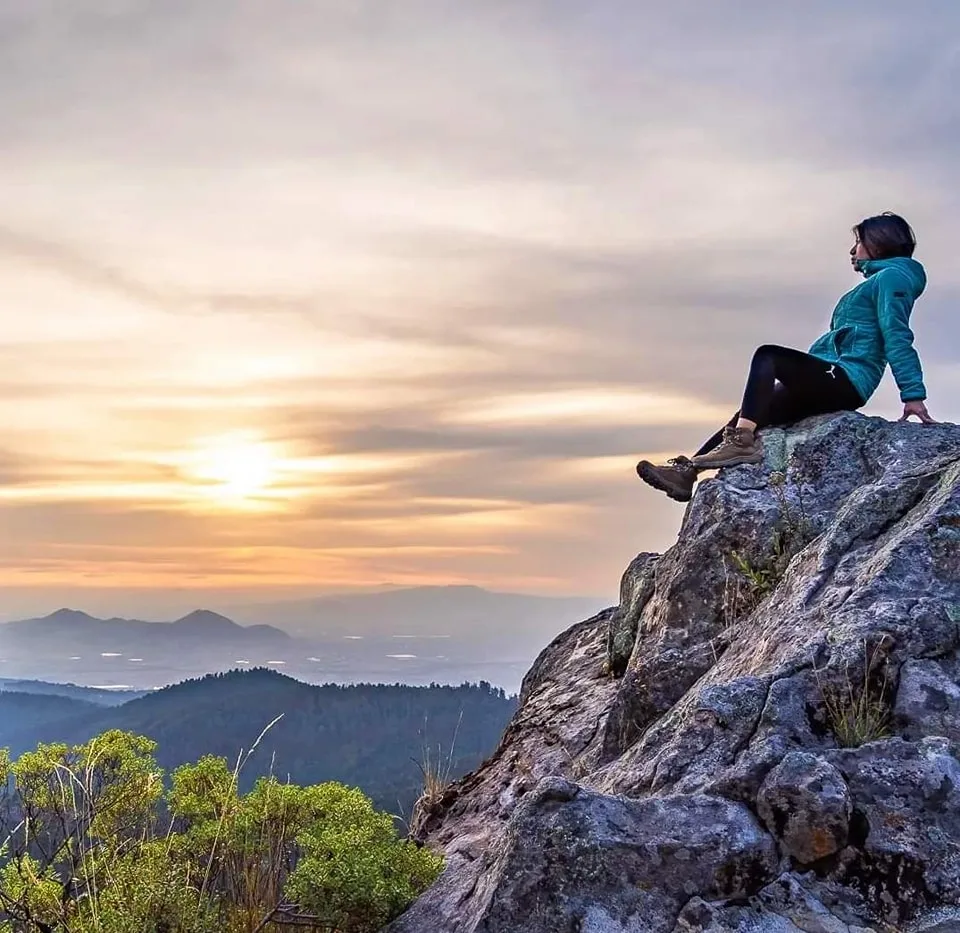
{"x": 832, "y": 371}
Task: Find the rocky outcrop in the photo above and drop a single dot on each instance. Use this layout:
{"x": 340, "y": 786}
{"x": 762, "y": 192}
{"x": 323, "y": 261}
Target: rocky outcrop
{"x": 763, "y": 735}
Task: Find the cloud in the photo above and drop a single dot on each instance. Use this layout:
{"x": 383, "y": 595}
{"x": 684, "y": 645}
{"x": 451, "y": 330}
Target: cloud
{"x": 10, "y": 467}
{"x": 79, "y": 268}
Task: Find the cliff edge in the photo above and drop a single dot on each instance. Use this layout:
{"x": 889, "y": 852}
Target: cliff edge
{"x": 763, "y": 736}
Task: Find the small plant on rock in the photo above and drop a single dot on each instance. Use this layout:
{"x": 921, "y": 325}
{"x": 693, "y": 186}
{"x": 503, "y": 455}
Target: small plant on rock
{"x": 436, "y": 771}
{"x": 760, "y": 580}
{"x": 857, "y": 709}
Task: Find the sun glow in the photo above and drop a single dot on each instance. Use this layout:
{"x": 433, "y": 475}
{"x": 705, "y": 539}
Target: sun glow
{"x": 237, "y": 468}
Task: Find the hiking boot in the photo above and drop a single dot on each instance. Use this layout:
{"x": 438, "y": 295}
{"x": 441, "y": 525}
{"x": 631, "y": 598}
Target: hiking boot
{"x": 739, "y": 446}
{"x": 676, "y": 479}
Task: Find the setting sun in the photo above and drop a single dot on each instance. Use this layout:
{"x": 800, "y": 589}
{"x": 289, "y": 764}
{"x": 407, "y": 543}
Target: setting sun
{"x": 237, "y": 468}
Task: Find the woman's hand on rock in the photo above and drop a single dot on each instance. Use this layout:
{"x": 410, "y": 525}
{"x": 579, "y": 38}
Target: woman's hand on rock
{"x": 919, "y": 409}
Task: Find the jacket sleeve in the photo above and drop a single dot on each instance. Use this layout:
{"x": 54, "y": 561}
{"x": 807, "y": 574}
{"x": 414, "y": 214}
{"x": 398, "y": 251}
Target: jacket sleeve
{"x": 894, "y": 303}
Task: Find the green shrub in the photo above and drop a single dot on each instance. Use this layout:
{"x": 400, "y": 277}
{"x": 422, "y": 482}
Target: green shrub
{"x": 91, "y": 843}
{"x": 355, "y": 874}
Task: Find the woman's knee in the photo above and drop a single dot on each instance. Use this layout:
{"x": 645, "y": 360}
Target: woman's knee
{"x": 767, "y": 352}
{"x": 764, "y": 359}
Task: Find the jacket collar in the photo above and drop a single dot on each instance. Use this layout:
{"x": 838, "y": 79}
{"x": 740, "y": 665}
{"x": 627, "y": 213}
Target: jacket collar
{"x": 868, "y": 267}
{"x": 912, "y": 269}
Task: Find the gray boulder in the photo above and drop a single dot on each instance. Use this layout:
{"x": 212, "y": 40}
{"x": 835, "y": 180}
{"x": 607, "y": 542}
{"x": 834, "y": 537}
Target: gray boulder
{"x": 790, "y": 904}
{"x": 928, "y": 701}
{"x": 571, "y": 859}
{"x": 905, "y": 827}
{"x": 805, "y": 803}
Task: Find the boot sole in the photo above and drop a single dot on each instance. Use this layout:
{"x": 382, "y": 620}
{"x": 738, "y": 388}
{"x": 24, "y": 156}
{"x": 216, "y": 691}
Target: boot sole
{"x": 747, "y": 460}
{"x": 645, "y": 472}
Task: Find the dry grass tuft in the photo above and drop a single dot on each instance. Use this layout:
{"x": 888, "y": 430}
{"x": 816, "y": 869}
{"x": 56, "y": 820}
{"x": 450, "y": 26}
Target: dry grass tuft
{"x": 857, "y": 709}
{"x": 436, "y": 771}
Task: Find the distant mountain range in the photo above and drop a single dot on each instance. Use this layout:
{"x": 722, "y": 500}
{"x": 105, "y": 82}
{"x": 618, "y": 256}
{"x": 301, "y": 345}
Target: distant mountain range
{"x": 70, "y": 628}
{"x": 367, "y": 736}
{"x": 447, "y": 634}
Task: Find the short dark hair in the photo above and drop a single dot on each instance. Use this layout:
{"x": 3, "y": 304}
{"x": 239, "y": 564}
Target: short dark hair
{"x": 886, "y": 235}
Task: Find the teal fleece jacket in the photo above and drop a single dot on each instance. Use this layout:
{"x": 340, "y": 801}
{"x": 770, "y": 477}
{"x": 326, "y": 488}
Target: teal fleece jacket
{"x": 870, "y": 328}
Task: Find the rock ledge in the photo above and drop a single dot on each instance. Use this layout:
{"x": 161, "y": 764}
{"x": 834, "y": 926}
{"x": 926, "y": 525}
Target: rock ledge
{"x": 763, "y": 736}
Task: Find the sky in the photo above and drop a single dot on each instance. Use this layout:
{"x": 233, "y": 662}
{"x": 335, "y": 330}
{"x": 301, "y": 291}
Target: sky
{"x": 298, "y": 297}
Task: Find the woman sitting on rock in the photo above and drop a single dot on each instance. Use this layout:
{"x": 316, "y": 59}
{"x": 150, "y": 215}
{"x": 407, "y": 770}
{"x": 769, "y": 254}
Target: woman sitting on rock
{"x": 870, "y": 328}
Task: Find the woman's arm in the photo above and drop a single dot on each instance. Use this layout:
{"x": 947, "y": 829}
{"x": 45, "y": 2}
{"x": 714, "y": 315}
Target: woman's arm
{"x": 894, "y": 303}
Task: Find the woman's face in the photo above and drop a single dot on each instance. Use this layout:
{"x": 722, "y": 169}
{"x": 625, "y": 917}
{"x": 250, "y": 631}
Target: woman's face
{"x": 858, "y": 252}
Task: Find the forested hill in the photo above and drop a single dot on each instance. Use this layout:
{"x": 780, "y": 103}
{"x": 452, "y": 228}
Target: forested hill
{"x": 96, "y": 695}
{"x": 370, "y": 736}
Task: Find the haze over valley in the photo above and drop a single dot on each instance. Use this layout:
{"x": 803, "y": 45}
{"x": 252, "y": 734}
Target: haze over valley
{"x": 417, "y": 635}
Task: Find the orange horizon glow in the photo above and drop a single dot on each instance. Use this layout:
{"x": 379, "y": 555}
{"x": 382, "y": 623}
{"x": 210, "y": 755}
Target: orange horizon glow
{"x": 293, "y": 298}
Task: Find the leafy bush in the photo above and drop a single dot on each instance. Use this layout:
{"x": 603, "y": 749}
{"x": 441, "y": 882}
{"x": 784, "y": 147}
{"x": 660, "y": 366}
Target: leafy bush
{"x": 355, "y": 875}
{"x": 92, "y": 842}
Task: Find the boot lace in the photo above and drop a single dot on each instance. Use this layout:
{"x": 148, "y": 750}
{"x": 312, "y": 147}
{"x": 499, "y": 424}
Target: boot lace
{"x": 734, "y": 436}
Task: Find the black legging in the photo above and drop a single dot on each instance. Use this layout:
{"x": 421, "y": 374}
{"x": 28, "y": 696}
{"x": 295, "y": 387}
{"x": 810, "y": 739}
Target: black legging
{"x": 786, "y": 385}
